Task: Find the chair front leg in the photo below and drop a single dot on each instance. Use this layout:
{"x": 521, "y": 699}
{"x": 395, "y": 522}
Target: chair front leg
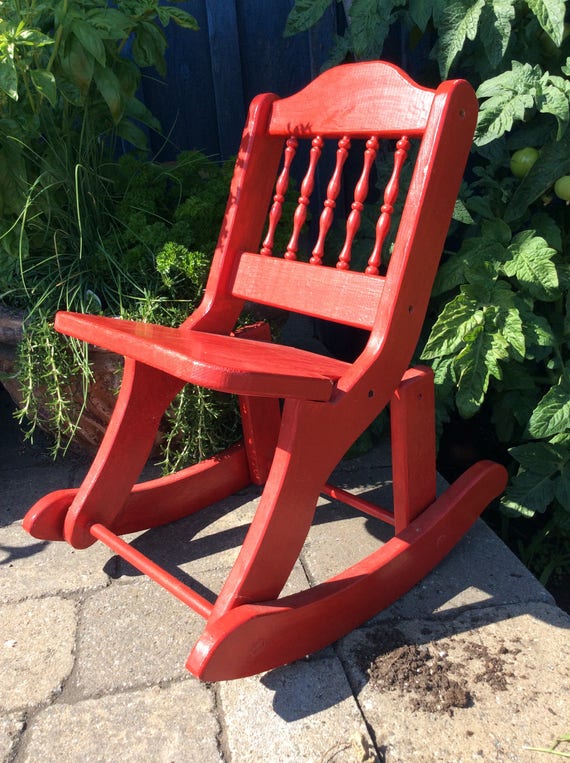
{"x": 314, "y": 437}
{"x": 144, "y": 396}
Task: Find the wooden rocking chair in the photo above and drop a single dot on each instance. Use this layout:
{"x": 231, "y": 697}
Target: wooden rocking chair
{"x": 301, "y": 411}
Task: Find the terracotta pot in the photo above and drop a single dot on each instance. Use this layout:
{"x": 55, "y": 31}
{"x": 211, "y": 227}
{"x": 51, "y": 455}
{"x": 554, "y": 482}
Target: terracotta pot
{"x": 107, "y": 369}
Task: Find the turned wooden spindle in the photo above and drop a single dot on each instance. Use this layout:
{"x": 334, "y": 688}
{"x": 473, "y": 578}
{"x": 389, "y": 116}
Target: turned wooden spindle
{"x": 280, "y": 190}
{"x": 306, "y": 190}
{"x": 333, "y": 190}
{"x": 360, "y": 194}
{"x": 387, "y": 208}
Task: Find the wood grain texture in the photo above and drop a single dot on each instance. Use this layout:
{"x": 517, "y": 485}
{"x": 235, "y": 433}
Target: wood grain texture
{"x": 365, "y": 103}
{"x": 346, "y": 297}
{"x": 224, "y": 363}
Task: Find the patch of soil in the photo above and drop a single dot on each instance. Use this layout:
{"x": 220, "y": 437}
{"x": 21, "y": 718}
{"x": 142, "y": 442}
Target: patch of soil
{"x": 494, "y": 672}
{"x": 427, "y": 676}
{"x": 422, "y": 673}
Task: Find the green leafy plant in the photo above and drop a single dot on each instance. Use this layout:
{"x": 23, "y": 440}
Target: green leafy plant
{"x": 83, "y": 231}
{"x": 149, "y": 262}
{"x": 498, "y": 329}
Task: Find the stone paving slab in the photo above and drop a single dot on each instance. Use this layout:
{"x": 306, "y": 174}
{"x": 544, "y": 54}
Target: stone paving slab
{"x": 131, "y": 636}
{"x": 92, "y": 653}
{"x": 480, "y": 570}
{"x": 162, "y": 724}
{"x": 22, "y": 487}
{"x": 303, "y": 712}
{"x": 204, "y": 541}
{"x": 34, "y": 568}
{"x": 513, "y": 662}
{"x": 37, "y": 644}
{"x": 11, "y": 727}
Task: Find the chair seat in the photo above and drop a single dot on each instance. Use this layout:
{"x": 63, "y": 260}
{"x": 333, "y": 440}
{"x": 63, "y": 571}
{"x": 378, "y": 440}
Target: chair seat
{"x": 225, "y": 363}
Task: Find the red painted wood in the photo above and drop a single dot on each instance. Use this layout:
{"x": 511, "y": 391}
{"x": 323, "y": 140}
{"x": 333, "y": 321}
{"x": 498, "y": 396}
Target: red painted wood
{"x": 178, "y": 495}
{"x": 387, "y": 208}
{"x": 360, "y": 194}
{"x": 359, "y": 503}
{"x": 145, "y": 394}
{"x": 293, "y": 446}
{"x": 333, "y": 190}
{"x": 256, "y": 637}
{"x": 260, "y": 417}
{"x": 412, "y": 426}
{"x": 141, "y": 562}
{"x": 356, "y": 100}
{"x": 301, "y": 288}
{"x": 225, "y": 363}
{"x": 307, "y": 187}
{"x": 280, "y": 191}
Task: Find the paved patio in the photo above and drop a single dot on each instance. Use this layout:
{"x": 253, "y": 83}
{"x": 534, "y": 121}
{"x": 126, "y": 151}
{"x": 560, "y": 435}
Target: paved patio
{"x": 472, "y": 665}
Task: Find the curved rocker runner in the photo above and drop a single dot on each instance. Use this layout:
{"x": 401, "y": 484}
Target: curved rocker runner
{"x": 301, "y": 411}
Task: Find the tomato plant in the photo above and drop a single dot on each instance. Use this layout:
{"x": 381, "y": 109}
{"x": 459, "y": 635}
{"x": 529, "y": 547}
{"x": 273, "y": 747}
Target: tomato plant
{"x": 522, "y": 161}
{"x": 562, "y": 188}
{"x": 507, "y": 269}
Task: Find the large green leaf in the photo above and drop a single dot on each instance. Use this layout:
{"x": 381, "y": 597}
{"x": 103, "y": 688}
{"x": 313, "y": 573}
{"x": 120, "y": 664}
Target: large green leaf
{"x": 90, "y": 38}
{"x": 552, "y": 415}
{"x": 9, "y": 78}
{"x": 458, "y": 318}
{"x": 181, "y": 18}
{"x": 512, "y": 407}
{"x": 476, "y": 364}
{"x": 33, "y": 37}
{"x": 149, "y": 46}
{"x": 79, "y": 65}
{"x": 542, "y": 458}
{"x": 556, "y": 101}
{"x": 44, "y": 82}
{"x": 370, "y": 22}
{"x": 457, "y": 21}
{"x": 537, "y": 331}
{"x": 478, "y": 255}
{"x": 495, "y": 29}
{"x": 550, "y": 15}
{"x": 110, "y": 89}
{"x": 562, "y": 487}
{"x": 304, "y": 15}
{"x": 115, "y": 24}
{"x": 508, "y": 96}
{"x": 509, "y": 323}
{"x": 529, "y": 493}
{"x": 421, "y": 12}
{"x": 531, "y": 264}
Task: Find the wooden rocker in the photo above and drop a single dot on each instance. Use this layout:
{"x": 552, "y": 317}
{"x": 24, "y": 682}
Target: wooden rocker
{"x": 301, "y": 411}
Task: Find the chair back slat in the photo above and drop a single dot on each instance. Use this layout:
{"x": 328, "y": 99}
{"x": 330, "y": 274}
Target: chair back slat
{"x": 361, "y": 102}
{"x": 281, "y": 188}
{"x": 321, "y": 292}
{"x": 360, "y": 194}
{"x": 387, "y": 208}
{"x": 333, "y": 190}
{"x": 307, "y": 187}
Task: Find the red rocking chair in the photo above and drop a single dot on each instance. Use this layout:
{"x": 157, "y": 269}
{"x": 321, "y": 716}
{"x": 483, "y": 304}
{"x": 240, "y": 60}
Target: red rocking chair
{"x": 301, "y": 411}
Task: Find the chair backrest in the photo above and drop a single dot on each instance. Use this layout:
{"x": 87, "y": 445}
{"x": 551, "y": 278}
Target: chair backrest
{"x": 372, "y": 108}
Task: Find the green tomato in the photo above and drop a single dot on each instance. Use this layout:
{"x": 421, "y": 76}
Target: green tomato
{"x": 522, "y": 160}
{"x": 562, "y": 188}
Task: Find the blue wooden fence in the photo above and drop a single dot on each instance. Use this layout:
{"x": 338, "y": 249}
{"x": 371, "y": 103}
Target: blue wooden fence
{"x": 214, "y": 73}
